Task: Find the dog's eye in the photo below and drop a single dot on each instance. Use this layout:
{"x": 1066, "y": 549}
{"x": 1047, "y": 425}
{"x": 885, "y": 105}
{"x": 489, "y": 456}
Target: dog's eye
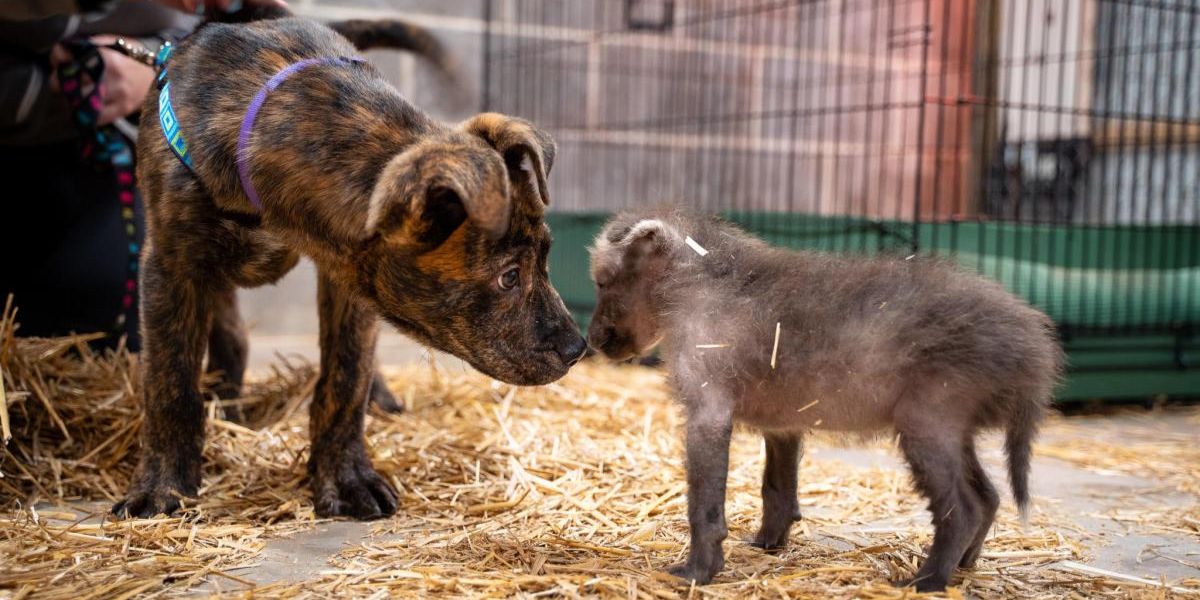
{"x": 510, "y": 278}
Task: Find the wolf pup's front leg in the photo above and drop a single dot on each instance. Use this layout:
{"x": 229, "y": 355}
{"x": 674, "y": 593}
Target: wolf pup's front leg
{"x": 176, "y": 316}
{"x": 343, "y": 481}
{"x": 709, "y": 427}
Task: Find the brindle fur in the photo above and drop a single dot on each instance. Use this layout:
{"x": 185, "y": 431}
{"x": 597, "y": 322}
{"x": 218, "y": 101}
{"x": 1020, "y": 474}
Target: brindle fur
{"x": 866, "y": 344}
{"x": 405, "y": 217}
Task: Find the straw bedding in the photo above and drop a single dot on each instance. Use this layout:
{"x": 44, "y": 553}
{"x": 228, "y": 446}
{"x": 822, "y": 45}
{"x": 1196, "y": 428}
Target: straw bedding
{"x": 573, "y": 489}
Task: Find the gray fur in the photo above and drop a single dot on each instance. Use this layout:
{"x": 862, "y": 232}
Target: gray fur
{"x": 913, "y": 346}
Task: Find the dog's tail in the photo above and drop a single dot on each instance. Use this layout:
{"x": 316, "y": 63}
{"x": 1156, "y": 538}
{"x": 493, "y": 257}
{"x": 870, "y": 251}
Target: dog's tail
{"x": 365, "y": 34}
{"x": 246, "y": 14}
{"x": 398, "y": 35}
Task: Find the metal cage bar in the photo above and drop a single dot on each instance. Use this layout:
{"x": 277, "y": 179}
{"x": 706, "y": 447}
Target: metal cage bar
{"x": 1053, "y": 145}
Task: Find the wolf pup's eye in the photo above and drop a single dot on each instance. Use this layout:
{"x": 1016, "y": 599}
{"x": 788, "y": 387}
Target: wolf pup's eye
{"x": 510, "y": 278}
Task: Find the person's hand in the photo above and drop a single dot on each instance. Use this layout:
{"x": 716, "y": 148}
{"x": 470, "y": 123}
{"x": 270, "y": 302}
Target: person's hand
{"x": 190, "y": 6}
{"x": 126, "y": 81}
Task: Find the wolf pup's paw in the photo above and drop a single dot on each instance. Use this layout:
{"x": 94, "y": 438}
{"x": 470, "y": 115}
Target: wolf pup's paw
{"x": 923, "y": 584}
{"x": 769, "y": 541}
{"x": 970, "y": 557}
{"x": 152, "y": 493}
{"x": 691, "y": 571}
{"x": 352, "y": 489}
{"x": 773, "y": 533}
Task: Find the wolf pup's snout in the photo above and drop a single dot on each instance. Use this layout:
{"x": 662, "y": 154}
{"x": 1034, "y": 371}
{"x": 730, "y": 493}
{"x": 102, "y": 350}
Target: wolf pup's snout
{"x": 602, "y": 337}
{"x": 598, "y": 335}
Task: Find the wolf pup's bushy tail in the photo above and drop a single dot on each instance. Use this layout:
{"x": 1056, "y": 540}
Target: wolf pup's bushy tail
{"x": 1043, "y": 360}
{"x": 1018, "y": 444}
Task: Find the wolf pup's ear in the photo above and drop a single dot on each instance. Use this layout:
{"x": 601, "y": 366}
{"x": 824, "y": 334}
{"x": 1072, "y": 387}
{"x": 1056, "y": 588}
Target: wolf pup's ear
{"x": 646, "y": 239}
{"x": 517, "y": 140}
{"x": 649, "y": 235}
{"x": 426, "y": 192}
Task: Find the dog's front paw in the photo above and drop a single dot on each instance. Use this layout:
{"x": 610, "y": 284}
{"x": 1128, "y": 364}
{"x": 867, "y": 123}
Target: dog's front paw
{"x": 142, "y": 504}
{"x": 353, "y": 489}
{"x": 152, "y": 492}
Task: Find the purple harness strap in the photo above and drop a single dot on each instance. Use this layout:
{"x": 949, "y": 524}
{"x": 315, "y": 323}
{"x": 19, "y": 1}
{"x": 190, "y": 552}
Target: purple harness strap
{"x": 243, "y": 152}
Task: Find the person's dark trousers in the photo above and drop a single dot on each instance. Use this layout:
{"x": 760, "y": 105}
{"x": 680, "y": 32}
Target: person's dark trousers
{"x": 65, "y": 249}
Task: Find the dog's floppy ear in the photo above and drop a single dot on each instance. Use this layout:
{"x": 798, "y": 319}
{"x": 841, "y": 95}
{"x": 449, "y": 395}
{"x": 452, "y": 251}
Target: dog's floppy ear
{"x": 516, "y": 140}
{"x": 427, "y": 191}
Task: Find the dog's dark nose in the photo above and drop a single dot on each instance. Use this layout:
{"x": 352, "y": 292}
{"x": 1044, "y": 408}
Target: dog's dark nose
{"x": 573, "y": 350}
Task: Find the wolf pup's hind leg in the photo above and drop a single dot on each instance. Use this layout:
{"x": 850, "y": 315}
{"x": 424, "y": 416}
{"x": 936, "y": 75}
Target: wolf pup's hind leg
{"x": 781, "y": 508}
{"x": 989, "y": 501}
{"x": 939, "y": 472}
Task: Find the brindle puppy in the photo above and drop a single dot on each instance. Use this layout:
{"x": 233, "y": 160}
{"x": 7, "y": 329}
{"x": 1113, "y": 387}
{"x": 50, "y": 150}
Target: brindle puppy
{"x": 864, "y": 344}
{"x": 437, "y": 228}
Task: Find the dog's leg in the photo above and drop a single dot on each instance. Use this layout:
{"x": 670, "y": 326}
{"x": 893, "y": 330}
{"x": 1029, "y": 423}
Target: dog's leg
{"x": 344, "y": 482}
{"x": 709, "y": 429}
{"x": 780, "y": 505}
{"x": 176, "y": 315}
{"x": 382, "y": 397}
{"x": 227, "y": 349}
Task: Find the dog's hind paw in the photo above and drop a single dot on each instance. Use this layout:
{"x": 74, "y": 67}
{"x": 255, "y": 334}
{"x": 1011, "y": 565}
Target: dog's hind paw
{"x": 356, "y": 491}
{"x": 383, "y": 398}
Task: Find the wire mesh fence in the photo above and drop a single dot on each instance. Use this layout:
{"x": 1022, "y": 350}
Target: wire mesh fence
{"x": 1051, "y": 144}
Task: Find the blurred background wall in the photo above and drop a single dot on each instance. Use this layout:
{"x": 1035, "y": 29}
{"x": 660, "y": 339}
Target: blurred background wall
{"x": 1053, "y": 145}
